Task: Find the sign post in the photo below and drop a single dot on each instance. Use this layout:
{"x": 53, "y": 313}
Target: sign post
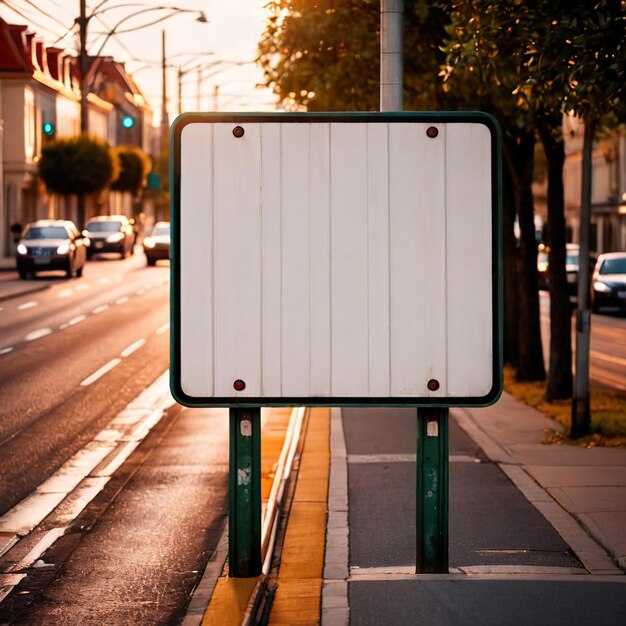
{"x": 432, "y": 491}
{"x": 244, "y": 493}
{"x": 336, "y": 259}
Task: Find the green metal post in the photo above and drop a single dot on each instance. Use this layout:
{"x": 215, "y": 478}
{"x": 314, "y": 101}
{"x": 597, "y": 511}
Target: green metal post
{"x": 244, "y": 481}
{"x": 432, "y": 491}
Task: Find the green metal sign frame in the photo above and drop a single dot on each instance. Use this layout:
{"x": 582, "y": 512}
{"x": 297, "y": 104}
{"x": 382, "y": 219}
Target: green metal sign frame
{"x": 391, "y": 117}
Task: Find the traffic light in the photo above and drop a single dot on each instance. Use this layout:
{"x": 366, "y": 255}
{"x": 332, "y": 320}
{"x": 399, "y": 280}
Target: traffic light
{"x": 128, "y": 121}
{"x": 48, "y": 129}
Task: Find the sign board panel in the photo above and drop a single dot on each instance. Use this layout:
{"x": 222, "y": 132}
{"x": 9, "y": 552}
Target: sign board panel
{"x": 335, "y": 259}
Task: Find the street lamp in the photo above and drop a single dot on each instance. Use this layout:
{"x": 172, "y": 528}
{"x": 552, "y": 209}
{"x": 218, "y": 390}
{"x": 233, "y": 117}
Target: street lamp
{"x": 83, "y": 21}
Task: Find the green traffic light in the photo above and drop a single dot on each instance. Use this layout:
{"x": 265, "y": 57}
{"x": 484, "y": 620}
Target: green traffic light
{"x": 48, "y": 128}
{"x": 128, "y": 121}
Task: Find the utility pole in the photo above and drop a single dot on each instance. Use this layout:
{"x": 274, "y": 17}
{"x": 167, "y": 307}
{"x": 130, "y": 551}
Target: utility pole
{"x": 581, "y": 412}
{"x": 83, "y": 67}
{"x": 164, "y": 119}
{"x": 391, "y": 57}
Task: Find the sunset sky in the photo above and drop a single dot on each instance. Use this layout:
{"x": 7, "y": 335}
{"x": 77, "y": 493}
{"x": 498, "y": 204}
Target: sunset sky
{"x": 231, "y": 35}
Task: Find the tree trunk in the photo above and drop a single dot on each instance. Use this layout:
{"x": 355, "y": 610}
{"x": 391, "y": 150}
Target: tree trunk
{"x": 509, "y": 254}
{"x": 521, "y": 157}
{"x": 560, "y": 371}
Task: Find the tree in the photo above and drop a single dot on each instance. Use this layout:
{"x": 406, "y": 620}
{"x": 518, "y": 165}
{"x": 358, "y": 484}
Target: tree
{"x": 78, "y": 165}
{"x": 135, "y": 165}
{"x": 585, "y": 58}
{"x": 483, "y": 64}
{"x": 325, "y": 55}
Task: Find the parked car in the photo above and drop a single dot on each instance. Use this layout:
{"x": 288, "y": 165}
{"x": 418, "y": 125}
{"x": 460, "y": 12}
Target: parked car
{"x": 572, "y": 251}
{"x": 157, "y": 244}
{"x": 609, "y": 282}
{"x": 51, "y": 245}
{"x": 109, "y": 233}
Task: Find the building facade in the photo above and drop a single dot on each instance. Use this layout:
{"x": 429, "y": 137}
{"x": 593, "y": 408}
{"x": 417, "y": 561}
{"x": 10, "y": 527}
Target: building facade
{"x": 40, "y": 101}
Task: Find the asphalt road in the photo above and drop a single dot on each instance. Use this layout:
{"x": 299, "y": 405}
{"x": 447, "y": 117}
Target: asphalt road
{"x": 72, "y": 357}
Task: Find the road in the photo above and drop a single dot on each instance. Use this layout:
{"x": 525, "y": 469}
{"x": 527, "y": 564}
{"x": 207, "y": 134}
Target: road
{"x": 608, "y": 345}
{"x": 110, "y": 511}
{"x": 130, "y": 500}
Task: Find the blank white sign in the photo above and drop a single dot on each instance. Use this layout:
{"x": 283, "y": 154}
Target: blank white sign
{"x": 335, "y": 260}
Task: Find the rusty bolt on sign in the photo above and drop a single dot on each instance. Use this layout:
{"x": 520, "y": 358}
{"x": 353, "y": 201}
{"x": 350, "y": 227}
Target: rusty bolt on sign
{"x": 238, "y": 131}
{"x": 432, "y": 132}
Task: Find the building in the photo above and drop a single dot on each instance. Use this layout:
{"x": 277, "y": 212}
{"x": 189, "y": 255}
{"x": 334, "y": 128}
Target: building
{"x": 608, "y": 186}
{"x": 40, "y": 101}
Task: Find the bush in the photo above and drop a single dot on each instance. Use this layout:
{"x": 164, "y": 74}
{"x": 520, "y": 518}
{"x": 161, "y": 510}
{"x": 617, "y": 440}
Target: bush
{"x": 78, "y": 165}
{"x": 135, "y": 166}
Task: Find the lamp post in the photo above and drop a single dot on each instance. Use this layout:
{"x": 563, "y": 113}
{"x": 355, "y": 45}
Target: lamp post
{"x": 83, "y": 21}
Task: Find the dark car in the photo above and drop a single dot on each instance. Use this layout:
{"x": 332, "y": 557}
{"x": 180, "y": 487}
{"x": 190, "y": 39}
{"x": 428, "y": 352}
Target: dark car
{"x": 51, "y": 245}
{"x": 609, "y": 282}
{"x": 109, "y": 233}
{"x": 157, "y": 244}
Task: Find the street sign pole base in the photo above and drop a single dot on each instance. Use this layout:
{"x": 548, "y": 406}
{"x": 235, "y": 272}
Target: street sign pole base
{"x": 432, "y": 491}
{"x": 244, "y": 482}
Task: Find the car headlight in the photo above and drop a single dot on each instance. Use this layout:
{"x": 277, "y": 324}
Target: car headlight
{"x": 148, "y": 242}
{"x": 22, "y": 249}
{"x": 542, "y": 267}
{"x": 115, "y": 237}
{"x": 64, "y": 248}
{"x": 602, "y": 287}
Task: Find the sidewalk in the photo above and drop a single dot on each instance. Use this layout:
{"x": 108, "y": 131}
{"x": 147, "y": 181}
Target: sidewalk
{"x": 580, "y": 492}
{"x": 588, "y": 484}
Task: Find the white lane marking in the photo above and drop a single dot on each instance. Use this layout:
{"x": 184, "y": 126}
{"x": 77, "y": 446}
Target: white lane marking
{"x": 162, "y": 329}
{"x": 100, "y": 309}
{"x": 83, "y": 286}
{"x": 104, "y": 280}
{"x": 27, "y": 305}
{"x": 8, "y": 582}
{"x": 39, "y": 548}
{"x": 6, "y": 350}
{"x": 63, "y": 326}
{"x": 77, "y": 320}
{"x": 37, "y": 334}
{"x": 101, "y": 372}
{"x": 122, "y": 300}
{"x": 85, "y": 474}
{"x": 133, "y": 346}
{"x": 66, "y": 293}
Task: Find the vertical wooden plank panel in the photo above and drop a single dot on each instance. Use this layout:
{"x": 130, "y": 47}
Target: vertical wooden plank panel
{"x": 417, "y": 226}
{"x": 378, "y": 247}
{"x": 237, "y": 260}
{"x": 271, "y": 259}
{"x": 470, "y": 340}
{"x": 320, "y": 260}
{"x": 296, "y": 305}
{"x": 349, "y": 280}
{"x": 196, "y": 266}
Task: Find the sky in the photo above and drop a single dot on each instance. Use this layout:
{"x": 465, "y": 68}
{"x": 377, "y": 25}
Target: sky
{"x": 224, "y": 48}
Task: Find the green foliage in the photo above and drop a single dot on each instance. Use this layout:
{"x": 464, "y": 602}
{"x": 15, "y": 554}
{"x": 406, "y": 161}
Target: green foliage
{"x": 324, "y": 55}
{"x": 135, "y": 166}
{"x": 77, "y": 165}
{"x": 547, "y": 56}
